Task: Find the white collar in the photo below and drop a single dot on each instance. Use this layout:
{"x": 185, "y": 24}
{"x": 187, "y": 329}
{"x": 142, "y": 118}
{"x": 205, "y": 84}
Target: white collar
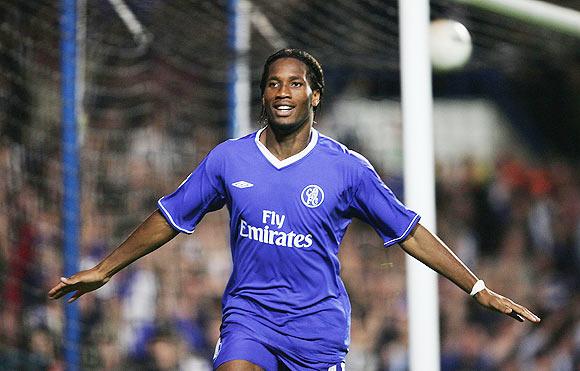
{"x": 279, "y": 164}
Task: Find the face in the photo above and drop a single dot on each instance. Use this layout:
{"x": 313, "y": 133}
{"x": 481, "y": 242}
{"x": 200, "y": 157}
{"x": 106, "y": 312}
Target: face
{"x": 288, "y": 98}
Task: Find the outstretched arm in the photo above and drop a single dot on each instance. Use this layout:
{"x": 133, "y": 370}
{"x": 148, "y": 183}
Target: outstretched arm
{"x": 430, "y": 250}
{"x": 150, "y": 235}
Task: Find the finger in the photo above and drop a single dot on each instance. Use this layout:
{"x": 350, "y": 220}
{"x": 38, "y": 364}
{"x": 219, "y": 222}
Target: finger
{"x": 53, "y": 291}
{"x": 519, "y": 312}
{"x": 515, "y": 316}
{"x": 77, "y": 295}
{"x": 61, "y": 289}
{"x": 527, "y": 314}
{"x": 58, "y": 291}
{"x": 67, "y": 281}
{"x": 504, "y": 305}
{"x": 512, "y": 309}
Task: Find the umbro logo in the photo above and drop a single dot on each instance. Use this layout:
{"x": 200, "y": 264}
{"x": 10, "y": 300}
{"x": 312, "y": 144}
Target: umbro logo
{"x": 242, "y": 184}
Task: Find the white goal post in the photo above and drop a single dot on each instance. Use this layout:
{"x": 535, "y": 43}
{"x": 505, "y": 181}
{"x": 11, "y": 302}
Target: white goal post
{"x": 535, "y": 12}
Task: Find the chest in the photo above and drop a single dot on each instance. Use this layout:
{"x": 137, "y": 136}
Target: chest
{"x": 305, "y": 192}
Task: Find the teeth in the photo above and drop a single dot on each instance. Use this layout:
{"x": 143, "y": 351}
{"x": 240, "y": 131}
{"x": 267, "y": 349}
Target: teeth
{"x": 284, "y": 108}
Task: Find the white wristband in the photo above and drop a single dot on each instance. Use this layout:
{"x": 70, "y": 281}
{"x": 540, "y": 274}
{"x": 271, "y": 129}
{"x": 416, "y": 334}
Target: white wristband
{"x": 479, "y": 286}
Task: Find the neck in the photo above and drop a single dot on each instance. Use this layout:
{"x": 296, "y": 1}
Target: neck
{"x": 284, "y": 145}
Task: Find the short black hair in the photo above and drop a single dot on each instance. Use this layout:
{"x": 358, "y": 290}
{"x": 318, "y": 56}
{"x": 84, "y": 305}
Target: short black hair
{"x": 314, "y": 75}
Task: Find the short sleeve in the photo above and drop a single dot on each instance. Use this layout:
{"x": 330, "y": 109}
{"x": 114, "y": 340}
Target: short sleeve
{"x": 374, "y": 203}
{"x": 199, "y": 194}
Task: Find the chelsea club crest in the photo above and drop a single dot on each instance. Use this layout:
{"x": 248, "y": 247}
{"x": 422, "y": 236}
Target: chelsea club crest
{"x": 312, "y": 196}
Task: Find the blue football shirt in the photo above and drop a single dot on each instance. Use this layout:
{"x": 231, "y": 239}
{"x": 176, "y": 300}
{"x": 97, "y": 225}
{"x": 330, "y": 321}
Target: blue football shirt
{"x": 287, "y": 219}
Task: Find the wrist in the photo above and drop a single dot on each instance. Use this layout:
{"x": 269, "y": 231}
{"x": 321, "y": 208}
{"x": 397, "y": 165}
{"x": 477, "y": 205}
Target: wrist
{"x": 477, "y": 287}
{"x": 104, "y": 273}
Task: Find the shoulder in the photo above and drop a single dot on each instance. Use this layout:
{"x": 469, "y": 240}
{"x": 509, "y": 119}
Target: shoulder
{"x": 232, "y": 146}
{"x": 342, "y": 153}
{"x": 331, "y": 146}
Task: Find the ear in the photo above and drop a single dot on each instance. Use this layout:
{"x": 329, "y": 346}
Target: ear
{"x": 315, "y": 98}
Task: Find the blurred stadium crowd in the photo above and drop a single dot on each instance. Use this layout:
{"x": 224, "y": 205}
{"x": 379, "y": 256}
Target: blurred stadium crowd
{"x": 516, "y": 223}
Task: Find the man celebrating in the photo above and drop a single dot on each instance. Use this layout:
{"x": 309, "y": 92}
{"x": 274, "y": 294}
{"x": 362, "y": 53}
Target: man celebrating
{"x": 291, "y": 193}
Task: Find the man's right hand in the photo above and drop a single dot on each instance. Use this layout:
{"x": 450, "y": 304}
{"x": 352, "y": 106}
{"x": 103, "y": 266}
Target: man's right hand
{"x": 81, "y": 282}
{"x": 149, "y": 235}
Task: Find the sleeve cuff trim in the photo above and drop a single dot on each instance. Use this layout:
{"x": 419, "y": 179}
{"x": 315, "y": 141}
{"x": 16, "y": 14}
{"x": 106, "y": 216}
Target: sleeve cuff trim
{"x": 170, "y": 218}
{"x": 405, "y": 234}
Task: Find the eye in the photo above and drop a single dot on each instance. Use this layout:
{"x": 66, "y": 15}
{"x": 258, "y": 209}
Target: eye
{"x": 296, "y": 84}
{"x": 273, "y": 84}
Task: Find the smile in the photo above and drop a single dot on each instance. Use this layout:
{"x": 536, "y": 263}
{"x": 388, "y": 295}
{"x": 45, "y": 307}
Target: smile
{"x": 283, "y": 109}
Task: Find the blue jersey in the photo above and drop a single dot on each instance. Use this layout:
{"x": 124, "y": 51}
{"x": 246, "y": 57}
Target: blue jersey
{"x": 287, "y": 219}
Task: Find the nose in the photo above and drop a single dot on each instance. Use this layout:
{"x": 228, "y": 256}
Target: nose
{"x": 283, "y": 91}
